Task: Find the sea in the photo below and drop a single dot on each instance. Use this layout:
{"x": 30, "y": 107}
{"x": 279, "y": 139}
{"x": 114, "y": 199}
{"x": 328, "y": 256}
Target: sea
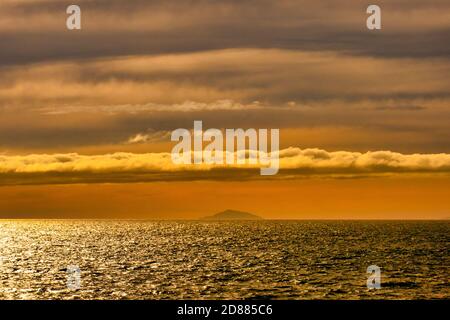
{"x": 269, "y": 259}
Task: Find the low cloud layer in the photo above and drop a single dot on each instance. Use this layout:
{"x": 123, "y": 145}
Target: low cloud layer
{"x": 130, "y": 167}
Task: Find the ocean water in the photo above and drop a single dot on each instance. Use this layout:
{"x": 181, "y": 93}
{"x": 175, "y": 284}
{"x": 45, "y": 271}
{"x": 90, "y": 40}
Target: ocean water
{"x": 223, "y": 260}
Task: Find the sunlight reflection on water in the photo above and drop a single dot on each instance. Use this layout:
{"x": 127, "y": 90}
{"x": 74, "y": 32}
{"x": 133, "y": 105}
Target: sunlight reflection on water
{"x": 212, "y": 260}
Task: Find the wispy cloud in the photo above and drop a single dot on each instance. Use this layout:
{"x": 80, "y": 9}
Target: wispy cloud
{"x": 186, "y": 106}
{"x": 150, "y": 136}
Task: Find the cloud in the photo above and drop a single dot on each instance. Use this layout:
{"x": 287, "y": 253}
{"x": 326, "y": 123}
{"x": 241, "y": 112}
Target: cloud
{"x": 56, "y": 107}
{"x": 374, "y": 161}
{"x": 224, "y": 63}
{"x": 115, "y": 27}
{"x": 150, "y": 136}
{"x": 401, "y": 108}
{"x": 186, "y": 106}
{"x": 214, "y": 79}
{"x": 130, "y": 167}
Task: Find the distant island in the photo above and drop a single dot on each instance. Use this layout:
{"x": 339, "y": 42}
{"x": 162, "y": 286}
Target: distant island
{"x": 233, "y": 215}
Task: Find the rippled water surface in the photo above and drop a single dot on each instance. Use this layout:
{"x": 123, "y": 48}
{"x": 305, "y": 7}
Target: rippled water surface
{"x": 212, "y": 260}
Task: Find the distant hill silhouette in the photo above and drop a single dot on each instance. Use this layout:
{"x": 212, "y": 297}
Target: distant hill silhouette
{"x": 232, "y": 215}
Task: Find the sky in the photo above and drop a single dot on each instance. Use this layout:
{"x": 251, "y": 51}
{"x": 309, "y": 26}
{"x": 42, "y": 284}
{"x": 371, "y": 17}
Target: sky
{"x": 86, "y": 115}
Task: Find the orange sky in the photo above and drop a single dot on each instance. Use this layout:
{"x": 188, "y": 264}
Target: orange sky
{"x": 369, "y": 198}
